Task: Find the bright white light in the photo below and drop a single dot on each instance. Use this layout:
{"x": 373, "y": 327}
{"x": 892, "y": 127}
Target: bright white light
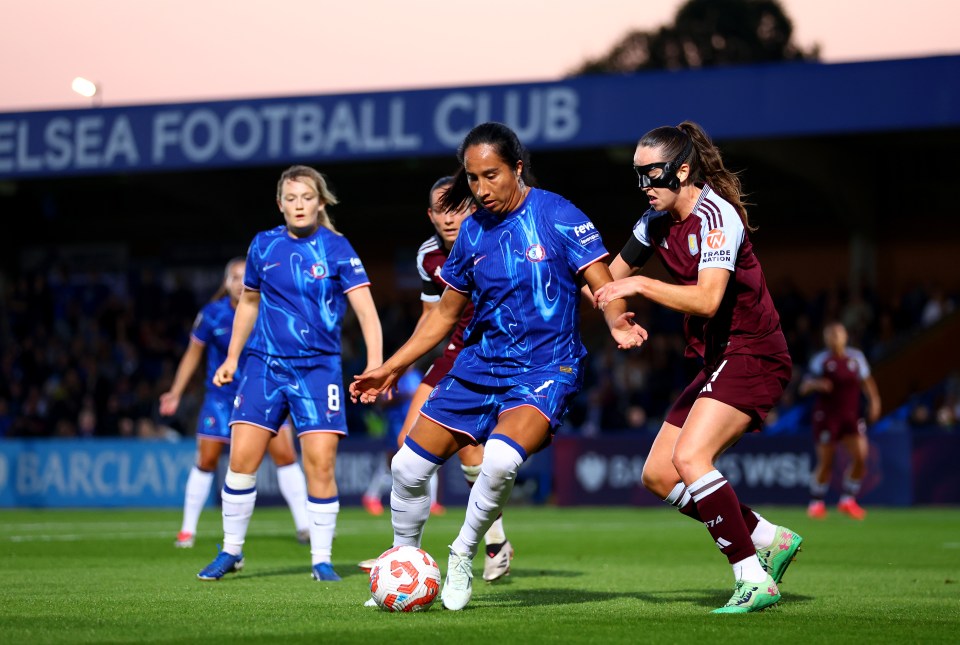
{"x": 84, "y": 87}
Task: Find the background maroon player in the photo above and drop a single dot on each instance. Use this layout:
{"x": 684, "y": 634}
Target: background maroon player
{"x": 838, "y": 375}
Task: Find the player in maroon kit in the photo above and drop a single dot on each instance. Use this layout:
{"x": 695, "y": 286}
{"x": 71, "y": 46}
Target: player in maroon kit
{"x": 698, "y": 227}
{"x": 837, "y": 375}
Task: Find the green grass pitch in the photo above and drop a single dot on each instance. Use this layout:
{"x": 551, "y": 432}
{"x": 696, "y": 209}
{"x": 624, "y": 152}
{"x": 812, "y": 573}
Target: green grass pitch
{"x": 599, "y": 575}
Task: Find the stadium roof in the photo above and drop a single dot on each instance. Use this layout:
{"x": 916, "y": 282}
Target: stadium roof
{"x": 764, "y": 101}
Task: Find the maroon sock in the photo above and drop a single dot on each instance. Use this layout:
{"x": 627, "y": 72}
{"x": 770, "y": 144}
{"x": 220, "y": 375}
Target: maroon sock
{"x": 749, "y": 518}
{"x": 690, "y": 510}
{"x": 717, "y": 501}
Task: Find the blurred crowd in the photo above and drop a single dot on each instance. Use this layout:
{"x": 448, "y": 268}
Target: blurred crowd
{"x": 88, "y": 354}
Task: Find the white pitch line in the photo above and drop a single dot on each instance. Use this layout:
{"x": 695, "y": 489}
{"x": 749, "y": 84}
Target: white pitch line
{"x": 139, "y": 535}
{"x": 93, "y": 524}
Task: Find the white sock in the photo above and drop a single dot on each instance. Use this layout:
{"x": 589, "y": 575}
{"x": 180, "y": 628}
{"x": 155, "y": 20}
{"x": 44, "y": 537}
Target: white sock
{"x": 434, "y": 487}
{"x": 749, "y": 570}
{"x": 495, "y": 534}
{"x": 501, "y": 460}
{"x": 763, "y": 535}
{"x": 239, "y": 496}
{"x": 851, "y": 488}
{"x": 323, "y": 524}
{"x": 818, "y": 490}
{"x": 410, "y": 496}
{"x": 199, "y": 483}
{"x": 293, "y": 487}
{"x": 679, "y": 497}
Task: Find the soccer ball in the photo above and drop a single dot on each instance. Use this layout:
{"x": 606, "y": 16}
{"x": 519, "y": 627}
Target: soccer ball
{"x": 405, "y": 578}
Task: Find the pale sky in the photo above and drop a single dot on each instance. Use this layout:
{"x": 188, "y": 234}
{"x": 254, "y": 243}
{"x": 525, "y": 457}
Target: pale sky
{"x": 160, "y": 51}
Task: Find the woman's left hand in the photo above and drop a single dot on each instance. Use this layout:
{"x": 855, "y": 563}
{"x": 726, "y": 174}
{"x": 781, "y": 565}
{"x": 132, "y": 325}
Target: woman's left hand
{"x": 623, "y": 288}
{"x": 627, "y": 333}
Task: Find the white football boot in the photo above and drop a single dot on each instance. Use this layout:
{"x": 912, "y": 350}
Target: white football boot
{"x": 458, "y": 587}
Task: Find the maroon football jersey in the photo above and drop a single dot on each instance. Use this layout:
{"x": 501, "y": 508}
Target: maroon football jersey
{"x": 430, "y": 259}
{"x": 845, "y": 372}
{"x": 713, "y": 236}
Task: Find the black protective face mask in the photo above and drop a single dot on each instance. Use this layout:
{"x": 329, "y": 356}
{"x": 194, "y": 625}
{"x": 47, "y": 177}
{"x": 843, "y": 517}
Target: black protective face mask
{"x": 668, "y": 176}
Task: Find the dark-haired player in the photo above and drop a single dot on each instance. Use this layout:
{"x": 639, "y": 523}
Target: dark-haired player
{"x": 431, "y": 256}
{"x": 518, "y": 259}
{"x": 697, "y": 225}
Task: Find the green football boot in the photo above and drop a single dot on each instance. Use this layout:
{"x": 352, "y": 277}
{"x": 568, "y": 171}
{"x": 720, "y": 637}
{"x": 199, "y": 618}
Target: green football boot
{"x": 751, "y": 596}
{"x": 776, "y": 557}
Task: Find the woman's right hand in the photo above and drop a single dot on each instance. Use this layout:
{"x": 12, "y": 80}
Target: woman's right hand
{"x": 169, "y": 402}
{"x": 367, "y": 386}
{"x": 225, "y": 372}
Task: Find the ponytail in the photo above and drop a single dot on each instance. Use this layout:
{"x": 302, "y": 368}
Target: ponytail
{"x": 707, "y": 165}
{"x": 458, "y": 193}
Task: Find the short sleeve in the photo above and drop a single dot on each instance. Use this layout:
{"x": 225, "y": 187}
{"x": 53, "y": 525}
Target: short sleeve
{"x": 349, "y": 267}
{"x": 641, "y": 230}
{"x": 201, "y": 331}
{"x": 430, "y": 291}
{"x": 720, "y": 240}
{"x": 251, "y": 277}
{"x": 579, "y": 236}
{"x": 816, "y": 364}
{"x": 863, "y": 367}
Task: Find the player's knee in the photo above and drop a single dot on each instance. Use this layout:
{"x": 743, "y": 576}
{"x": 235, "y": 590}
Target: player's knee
{"x": 654, "y": 480}
{"x": 281, "y": 455}
{"x": 410, "y": 470}
{"x": 826, "y": 462}
{"x": 470, "y": 473}
{"x": 320, "y": 478}
{"x": 685, "y": 462}
{"x": 501, "y": 460}
{"x": 319, "y": 463}
{"x": 239, "y": 481}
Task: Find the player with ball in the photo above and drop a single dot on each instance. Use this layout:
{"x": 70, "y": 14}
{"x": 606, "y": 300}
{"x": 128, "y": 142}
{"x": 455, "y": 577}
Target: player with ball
{"x": 518, "y": 260}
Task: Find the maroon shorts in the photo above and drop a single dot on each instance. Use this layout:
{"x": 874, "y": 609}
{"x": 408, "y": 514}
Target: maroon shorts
{"x": 827, "y": 429}
{"x": 751, "y": 384}
{"x": 439, "y": 368}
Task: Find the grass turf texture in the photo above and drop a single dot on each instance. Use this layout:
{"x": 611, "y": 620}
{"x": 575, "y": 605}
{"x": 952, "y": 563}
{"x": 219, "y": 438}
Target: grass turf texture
{"x": 602, "y": 575}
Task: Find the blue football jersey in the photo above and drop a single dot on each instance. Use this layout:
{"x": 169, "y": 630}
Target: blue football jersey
{"x": 302, "y": 284}
{"x": 520, "y": 271}
{"x": 212, "y": 329}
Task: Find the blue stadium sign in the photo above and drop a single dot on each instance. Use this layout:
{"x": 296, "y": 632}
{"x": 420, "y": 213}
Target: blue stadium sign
{"x": 742, "y": 102}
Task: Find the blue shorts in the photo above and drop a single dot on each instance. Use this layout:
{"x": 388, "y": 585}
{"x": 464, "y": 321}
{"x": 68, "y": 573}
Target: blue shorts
{"x": 214, "y": 420}
{"x": 474, "y": 410}
{"x": 310, "y": 391}
{"x": 395, "y": 416}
